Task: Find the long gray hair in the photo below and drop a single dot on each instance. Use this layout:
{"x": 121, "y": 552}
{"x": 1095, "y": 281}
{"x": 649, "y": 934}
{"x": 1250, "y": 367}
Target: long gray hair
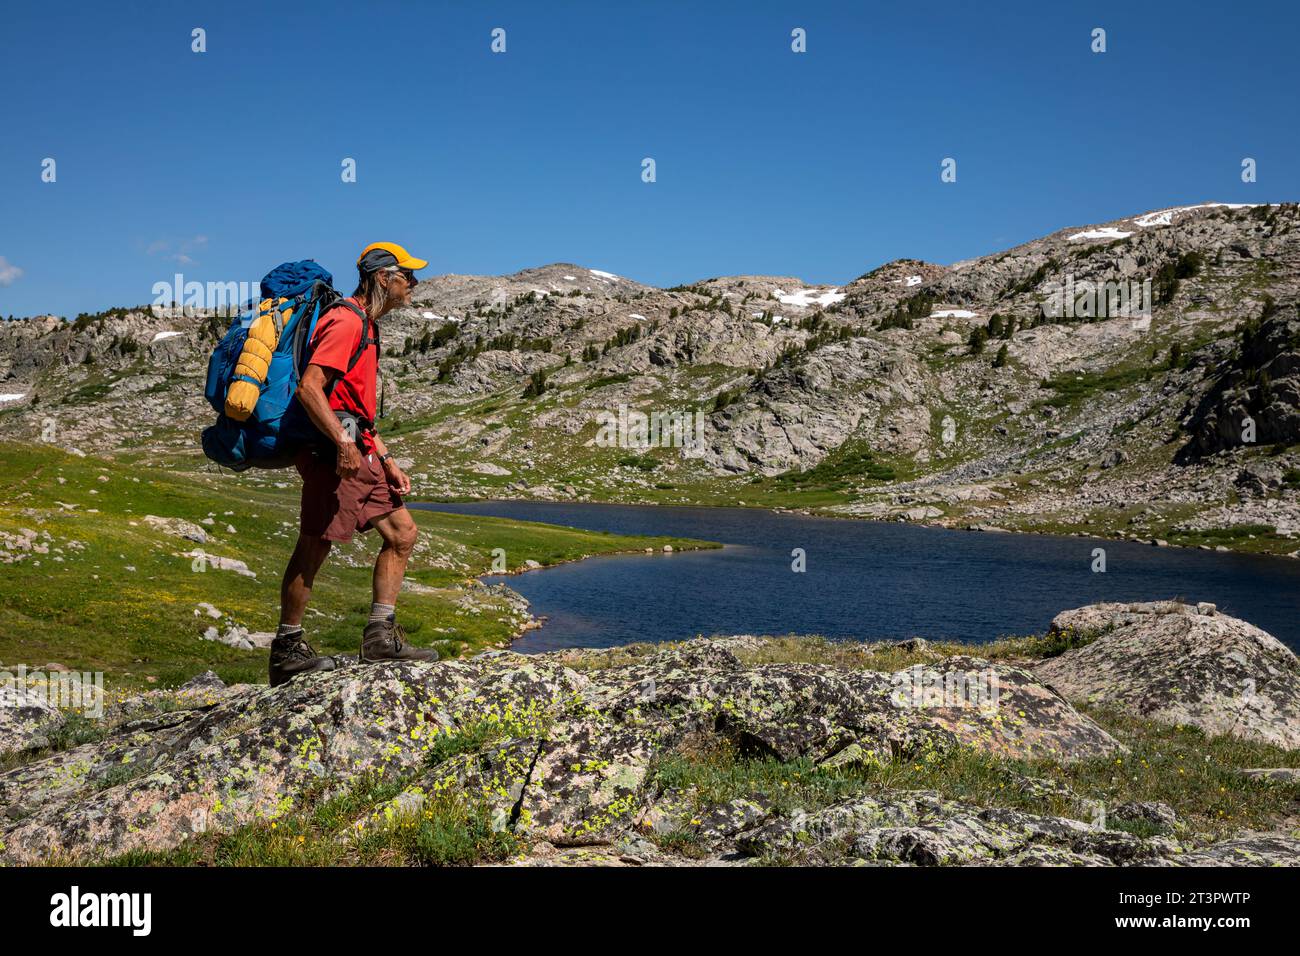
{"x": 372, "y": 292}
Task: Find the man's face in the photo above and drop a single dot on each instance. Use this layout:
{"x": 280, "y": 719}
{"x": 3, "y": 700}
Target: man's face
{"x": 400, "y": 284}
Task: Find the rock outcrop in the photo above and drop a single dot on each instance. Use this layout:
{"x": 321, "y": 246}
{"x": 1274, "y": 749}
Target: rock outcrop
{"x": 560, "y": 749}
{"x": 1181, "y": 664}
{"x": 573, "y": 771}
{"x": 1257, "y": 398}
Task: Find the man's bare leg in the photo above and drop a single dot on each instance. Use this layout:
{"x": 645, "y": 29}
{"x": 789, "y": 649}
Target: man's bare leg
{"x": 399, "y": 531}
{"x": 291, "y": 655}
{"x": 384, "y": 640}
{"x": 295, "y": 589}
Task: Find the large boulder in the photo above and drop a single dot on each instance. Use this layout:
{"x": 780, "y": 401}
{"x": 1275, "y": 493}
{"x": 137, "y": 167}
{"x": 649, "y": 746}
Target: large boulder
{"x": 1180, "y": 664}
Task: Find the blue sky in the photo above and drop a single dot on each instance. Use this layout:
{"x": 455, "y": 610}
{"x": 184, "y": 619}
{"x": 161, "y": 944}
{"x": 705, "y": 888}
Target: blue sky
{"x": 821, "y": 165}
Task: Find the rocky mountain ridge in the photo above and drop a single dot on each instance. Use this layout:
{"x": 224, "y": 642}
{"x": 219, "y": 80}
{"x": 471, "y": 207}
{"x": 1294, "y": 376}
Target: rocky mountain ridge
{"x": 947, "y": 394}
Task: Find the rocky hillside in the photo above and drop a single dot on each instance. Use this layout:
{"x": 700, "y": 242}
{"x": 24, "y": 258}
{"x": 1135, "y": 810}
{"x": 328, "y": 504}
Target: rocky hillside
{"x": 974, "y": 394}
{"x": 724, "y": 751}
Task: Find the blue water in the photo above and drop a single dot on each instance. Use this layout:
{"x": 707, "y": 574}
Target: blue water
{"x": 864, "y": 580}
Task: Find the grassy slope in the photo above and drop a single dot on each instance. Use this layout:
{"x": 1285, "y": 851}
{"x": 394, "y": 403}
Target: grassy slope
{"x": 86, "y": 608}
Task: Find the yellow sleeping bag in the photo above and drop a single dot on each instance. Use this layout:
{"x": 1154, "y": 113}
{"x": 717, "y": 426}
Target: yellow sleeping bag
{"x": 255, "y": 359}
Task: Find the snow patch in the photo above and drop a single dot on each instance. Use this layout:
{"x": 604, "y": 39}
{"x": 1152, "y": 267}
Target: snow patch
{"x": 604, "y": 275}
{"x": 163, "y": 335}
{"x": 1106, "y": 232}
{"x": 12, "y": 396}
{"x": 803, "y": 298}
{"x": 636, "y": 316}
{"x": 953, "y": 314}
{"x": 913, "y": 280}
{"x": 571, "y": 278}
{"x": 1165, "y": 217}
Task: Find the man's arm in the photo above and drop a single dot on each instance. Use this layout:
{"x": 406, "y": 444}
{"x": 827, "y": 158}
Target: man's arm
{"x": 311, "y": 394}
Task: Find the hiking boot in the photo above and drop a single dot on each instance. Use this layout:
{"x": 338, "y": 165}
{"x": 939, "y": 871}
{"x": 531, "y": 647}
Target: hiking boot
{"x": 386, "y": 641}
{"x": 291, "y": 656}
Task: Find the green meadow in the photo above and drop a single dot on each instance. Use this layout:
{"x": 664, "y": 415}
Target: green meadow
{"x": 87, "y": 583}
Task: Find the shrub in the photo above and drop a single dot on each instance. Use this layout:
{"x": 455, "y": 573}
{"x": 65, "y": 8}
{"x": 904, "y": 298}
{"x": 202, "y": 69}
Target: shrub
{"x": 536, "y": 384}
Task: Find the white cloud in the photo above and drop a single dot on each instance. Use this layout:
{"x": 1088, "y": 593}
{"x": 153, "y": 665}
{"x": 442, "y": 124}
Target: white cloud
{"x": 177, "y": 249}
{"x": 9, "y": 273}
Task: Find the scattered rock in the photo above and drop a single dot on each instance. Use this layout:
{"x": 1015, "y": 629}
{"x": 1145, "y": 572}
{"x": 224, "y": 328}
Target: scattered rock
{"x": 178, "y": 527}
{"x": 238, "y": 636}
{"x": 1274, "y": 774}
{"x": 219, "y": 563}
{"x": 208, "y": 680}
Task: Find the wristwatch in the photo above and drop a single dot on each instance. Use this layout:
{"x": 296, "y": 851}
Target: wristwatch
{"x": 385, "y": 456}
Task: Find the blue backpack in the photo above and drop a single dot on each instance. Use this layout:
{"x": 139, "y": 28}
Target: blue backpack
{"x": 270, "y": 437}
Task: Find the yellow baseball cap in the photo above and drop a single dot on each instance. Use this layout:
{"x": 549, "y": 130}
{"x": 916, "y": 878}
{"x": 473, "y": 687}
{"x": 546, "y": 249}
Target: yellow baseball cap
{"x": 379, "y": 255}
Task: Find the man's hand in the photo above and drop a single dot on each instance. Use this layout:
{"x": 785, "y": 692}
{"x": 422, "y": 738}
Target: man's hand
{"x": 348, "y": 462}
{"x": 397, "y": 479}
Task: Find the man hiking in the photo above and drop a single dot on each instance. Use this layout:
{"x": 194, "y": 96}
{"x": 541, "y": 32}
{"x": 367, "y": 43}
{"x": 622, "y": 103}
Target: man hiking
{"x": 350, "y": 482}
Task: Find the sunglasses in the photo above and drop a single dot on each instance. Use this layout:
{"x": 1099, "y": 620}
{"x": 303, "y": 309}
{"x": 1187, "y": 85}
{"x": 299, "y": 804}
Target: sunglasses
{"x": 408, "y": 275}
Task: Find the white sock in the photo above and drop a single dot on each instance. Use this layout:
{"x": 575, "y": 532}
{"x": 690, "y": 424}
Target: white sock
{"x": 381, "y": 612}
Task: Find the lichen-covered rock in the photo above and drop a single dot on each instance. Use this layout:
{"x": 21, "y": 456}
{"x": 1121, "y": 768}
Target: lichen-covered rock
{"x": 1040, "y": 854}
{"x": 817, "y": 711}
{"x": 923, "y": 829}
{"x": 563, "y": 759}
{"x": 1260, "y": 849}
{"x": 1017, "y": 716}
{"x": 153, "y": 783}
{"x": 587, "y": 782}
{"x": 1181, "y": 664}
{"x": 722, "y": 822}
{"x": 26, "y": 719}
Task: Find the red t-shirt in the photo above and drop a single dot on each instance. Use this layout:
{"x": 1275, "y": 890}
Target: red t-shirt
{"x": 338, "y": 333}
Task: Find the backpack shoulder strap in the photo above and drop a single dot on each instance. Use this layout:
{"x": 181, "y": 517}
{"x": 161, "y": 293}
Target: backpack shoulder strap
{"x": 366, "y": 340}
{"x": 361, "y": 346}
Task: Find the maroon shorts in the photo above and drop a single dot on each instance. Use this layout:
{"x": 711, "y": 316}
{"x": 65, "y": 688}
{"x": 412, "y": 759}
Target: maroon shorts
{"x": 335, "y": 508}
